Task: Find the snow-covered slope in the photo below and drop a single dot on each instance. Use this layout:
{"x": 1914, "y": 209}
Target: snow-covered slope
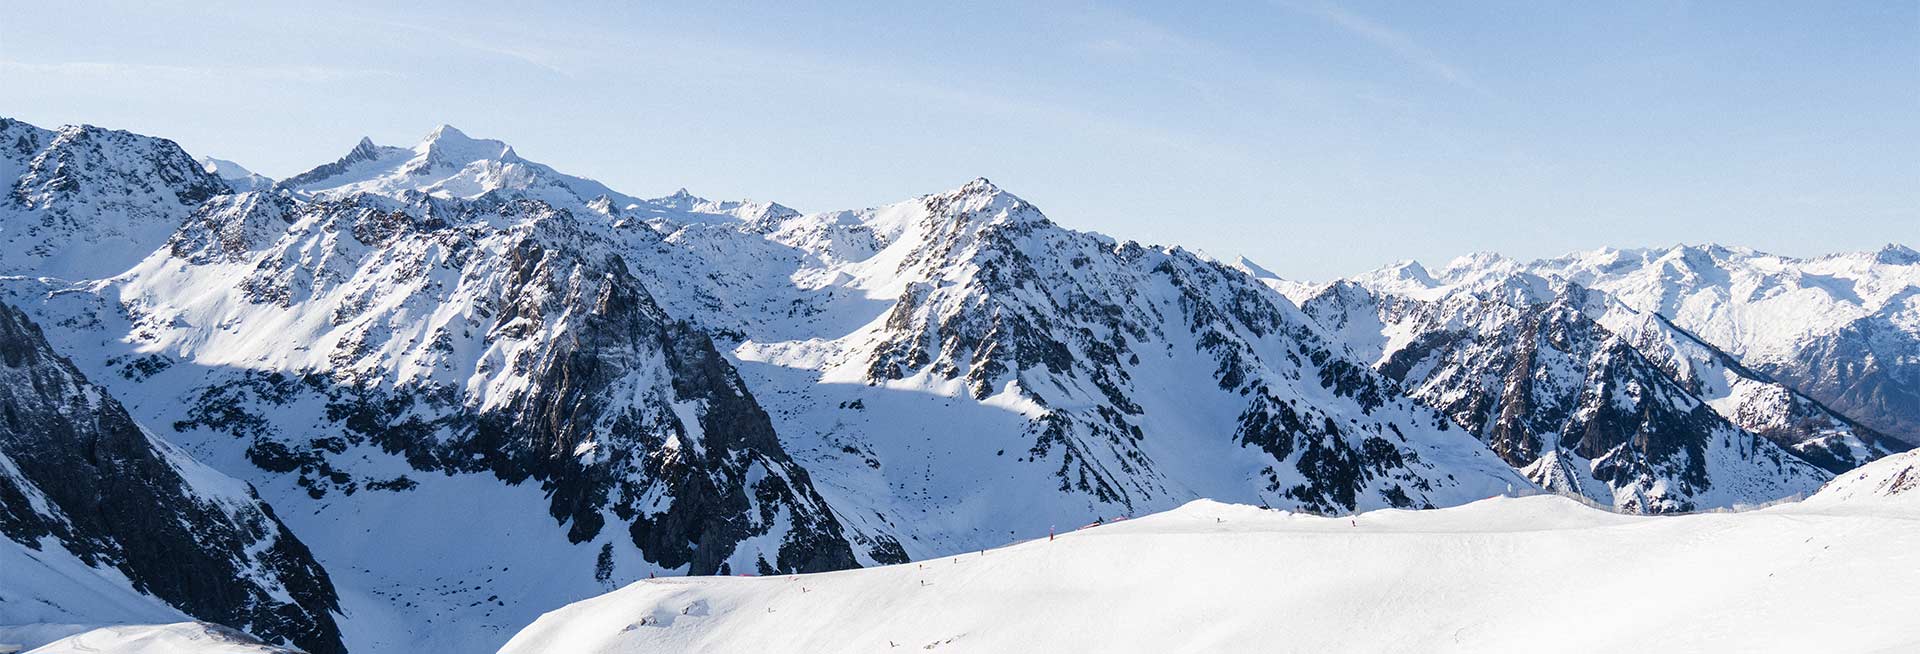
{"x": 1890, "y": 482}
{"x": 1501, "y": 575}
{"x": 174, "y": 638}
{"x": 1843, "y": 328}
{"x": 105, "y": 523}
{"x": 85, "y": 202}
{"x": 1523, "y": 363}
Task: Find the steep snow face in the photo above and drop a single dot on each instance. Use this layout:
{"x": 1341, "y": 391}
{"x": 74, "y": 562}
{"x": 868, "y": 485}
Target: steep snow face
{"x": 960, "y": 368}
{"x": 1844, "y": 329}
{"x": 107, "y": 523}
{"x": 84, "y": 202}
{"x": 1519, "y": 362}
{"x": 1463, "y": 579}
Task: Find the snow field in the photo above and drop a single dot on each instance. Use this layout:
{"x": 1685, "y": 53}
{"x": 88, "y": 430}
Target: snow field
{"x": 1539, "y": 573}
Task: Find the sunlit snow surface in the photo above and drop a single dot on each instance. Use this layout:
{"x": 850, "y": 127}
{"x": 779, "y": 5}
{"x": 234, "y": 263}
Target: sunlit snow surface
{"x": 1837, "y": 573}
{"x": 176, "y": 638}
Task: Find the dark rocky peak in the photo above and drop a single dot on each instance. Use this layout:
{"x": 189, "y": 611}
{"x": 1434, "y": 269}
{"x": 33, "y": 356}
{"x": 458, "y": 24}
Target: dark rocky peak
{"x": 1895, "y": 254}
{"x": 362, "y": 151}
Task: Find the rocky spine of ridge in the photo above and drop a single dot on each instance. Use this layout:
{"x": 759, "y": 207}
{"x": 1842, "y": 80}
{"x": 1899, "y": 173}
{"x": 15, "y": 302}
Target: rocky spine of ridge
{"x": 363, "y": 152}
{"x": 81, "y": 475}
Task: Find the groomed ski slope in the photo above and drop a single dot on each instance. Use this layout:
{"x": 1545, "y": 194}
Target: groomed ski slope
{"x": 1534, "y": 574}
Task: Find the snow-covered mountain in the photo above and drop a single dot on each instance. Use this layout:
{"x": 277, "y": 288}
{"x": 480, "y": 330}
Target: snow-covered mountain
{"x": 394, "y": 365}
{"x": 448, "y": 164}
{"x": 105, "y": 522}
{"x": 409, "y": 331}
{"x": 1843, "y": 328}
{"x": 1227, "y": 578}
{"x": 1400, "y": 315}
{"x": 1523, "y": 363}
{"x": 85, "y": 202}
{"x": 479, "y": 388}
{"x": 942, "y": 362}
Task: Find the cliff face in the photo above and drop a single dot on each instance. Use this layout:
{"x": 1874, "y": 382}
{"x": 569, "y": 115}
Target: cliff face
{"x": 82, "y": 476}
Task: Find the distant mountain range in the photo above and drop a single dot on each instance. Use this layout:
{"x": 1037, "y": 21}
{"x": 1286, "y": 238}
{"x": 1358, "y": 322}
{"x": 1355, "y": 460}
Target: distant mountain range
{"x": 436, "y": 391}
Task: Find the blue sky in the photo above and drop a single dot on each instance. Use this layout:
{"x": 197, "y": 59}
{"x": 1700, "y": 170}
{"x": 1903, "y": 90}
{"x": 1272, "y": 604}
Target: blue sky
{"x": 1318, "y": 138}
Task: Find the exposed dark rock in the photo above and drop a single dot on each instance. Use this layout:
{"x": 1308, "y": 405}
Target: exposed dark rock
{"x": 121, "y": 500}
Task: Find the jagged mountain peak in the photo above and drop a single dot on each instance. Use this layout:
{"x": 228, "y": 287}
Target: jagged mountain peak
{"x": 979, "y": 185}
{"x": 364, "y": 155}
{"x": 1895, "y": 254}
{"x": 981, "y": 202}
{"x": 681, "y": 196}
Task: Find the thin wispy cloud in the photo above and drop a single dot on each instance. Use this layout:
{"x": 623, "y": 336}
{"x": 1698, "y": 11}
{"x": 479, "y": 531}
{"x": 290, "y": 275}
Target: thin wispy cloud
{"x": 1394, "y": 42}
{"x": 540, "y": 58}
{"x": 154, "y": 72}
